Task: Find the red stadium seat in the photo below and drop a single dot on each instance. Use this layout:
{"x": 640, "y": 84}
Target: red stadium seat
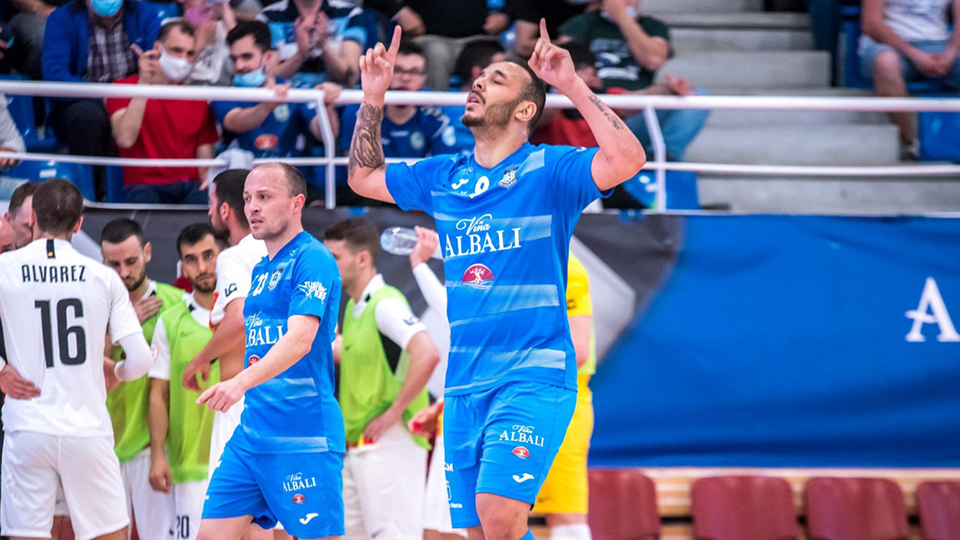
{"x": 855, "y": 509}
{"x": 743, "y": 508}
{"x": 939, "y": 505}
{"x": 623, "y": 505}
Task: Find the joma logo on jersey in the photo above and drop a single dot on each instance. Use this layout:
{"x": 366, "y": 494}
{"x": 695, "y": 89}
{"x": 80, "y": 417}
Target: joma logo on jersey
{"x": 478, "y": 237}
{"x": 522, "y": 435}
{"x": 296, "y": 482}
{"x": 313, "y": 289}
{"x": 264, "y": 335}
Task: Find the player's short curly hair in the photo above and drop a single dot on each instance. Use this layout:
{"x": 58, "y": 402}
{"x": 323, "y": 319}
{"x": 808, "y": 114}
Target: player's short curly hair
{"x": 534, "y": 90}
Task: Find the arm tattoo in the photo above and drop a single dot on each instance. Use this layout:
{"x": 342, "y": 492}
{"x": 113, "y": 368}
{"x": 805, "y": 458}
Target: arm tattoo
{"x": 366, "y": 148}
{"x": 612, "y": 118}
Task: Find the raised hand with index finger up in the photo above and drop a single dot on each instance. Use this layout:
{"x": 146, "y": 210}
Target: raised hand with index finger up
{"x": 376, "y": 69}
{"x": 552, "y": 63}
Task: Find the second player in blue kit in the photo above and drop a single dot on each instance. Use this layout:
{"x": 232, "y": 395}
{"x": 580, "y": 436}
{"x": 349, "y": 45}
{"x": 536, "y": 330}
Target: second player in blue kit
{"x": 284, "y": 462}
{"x": 505, "y": 215}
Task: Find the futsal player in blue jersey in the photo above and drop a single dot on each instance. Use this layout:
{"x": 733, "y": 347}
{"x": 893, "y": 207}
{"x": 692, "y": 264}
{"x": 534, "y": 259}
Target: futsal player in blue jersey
{"x": 284, "y": 462}
{"x": 505, "y": 215}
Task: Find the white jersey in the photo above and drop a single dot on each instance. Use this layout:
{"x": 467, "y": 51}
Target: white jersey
{"x": 57, "y": 307}
{"x": 234, "y": 266}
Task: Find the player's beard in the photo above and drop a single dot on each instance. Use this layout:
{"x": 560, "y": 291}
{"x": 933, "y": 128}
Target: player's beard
{"x": 494, "y": 120}
{"x": 200, "y": 287}
{"x": 136, "y": 285}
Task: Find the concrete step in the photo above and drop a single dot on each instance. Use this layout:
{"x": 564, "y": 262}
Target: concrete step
{"x": 701, "y": 6}
{"x": 689, "y": 40}
{"x": 858, "y": 196}
{"x": 753, "y": 19}
{"x": 747, "y": 118}
{"x": 756, "y": 70}
{"x": 797, "y": 145}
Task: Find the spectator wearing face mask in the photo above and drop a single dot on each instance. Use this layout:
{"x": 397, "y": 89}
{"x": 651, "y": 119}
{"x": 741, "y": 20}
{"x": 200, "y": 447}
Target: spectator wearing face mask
{"x": 212, "y": 22}
{"x": 153, "y": 128}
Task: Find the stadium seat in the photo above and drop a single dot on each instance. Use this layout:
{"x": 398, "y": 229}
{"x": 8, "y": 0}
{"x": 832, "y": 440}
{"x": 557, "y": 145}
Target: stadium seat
{"x": 681, "y": 189}
{"x": 939, "y": 507}
{"x": 855, "y": 509}
{"x": 623, "y": 505}
{"x": 939, "y": 132}
{"x": 22, "y": 112}
{"x": 743, "y": 508}
{"x": 38, "y": 171}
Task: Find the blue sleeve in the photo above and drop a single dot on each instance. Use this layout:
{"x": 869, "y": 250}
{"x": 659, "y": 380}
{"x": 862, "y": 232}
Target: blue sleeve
{"x": 152, "y": 20}
{"x": 570, "y": 168}
{"x": 356, "y": 30}
{"x": 55, "y": 60}
{"x": 348, "y": 121}
{"x": 222, "y": 108}
{"x": 313, "y": 280}
{"x": 410, "y": 185}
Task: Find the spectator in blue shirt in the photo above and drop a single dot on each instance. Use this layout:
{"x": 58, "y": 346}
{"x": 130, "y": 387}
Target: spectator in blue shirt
{"x": 475, "y": 56}
{"x": 313, "y": 37}
{"x": 408, "y": 131}
{"x": 269, "y": 129}
{"x": 93, "y": 41}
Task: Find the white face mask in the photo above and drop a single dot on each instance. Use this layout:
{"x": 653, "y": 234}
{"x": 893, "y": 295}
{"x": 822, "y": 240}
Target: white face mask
{"x": 176, "y": 69}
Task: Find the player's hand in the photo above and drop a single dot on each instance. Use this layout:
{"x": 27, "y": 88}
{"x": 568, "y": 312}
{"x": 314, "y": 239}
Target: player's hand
{"x": 161, "y": 479}
{"x": 109, "y": 374}
{"x": 190, "y": 374}
{"x": 424, "y": 423}
{"x": 149, "y": 64}
{"x": 381, "y": 424}
{"x": 496, "y": 23}
{"x": 410, "y": 21}
{"x": 222, "y": 396}
{"x": 376, "y": 67}
{"x": 678, "y": 86}
{"x": 16, "y": 387}
{"x": 147, "y": 307}
{"x": 302, "y": 28}
{"x": 331, "y": 92}
{"x": 279, "y": 90}
{"x": 927, "y": 64}
{"x": 427, "y": 241}
{"x": 552, "y": 63}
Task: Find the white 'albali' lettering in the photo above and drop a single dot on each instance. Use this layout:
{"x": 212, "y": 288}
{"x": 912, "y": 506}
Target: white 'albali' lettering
{"x": 479, "y": 238}
{"x": 932, "y": 310}
{"x": 264, "y": 335}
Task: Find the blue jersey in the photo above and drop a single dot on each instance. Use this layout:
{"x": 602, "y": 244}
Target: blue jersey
{"x": 426, "y": 133}
{"x": 296, "y": 411}
{"x": 282, "y": 134}
{"x": 505, "y": 234}
{"x": 463, "y": 140}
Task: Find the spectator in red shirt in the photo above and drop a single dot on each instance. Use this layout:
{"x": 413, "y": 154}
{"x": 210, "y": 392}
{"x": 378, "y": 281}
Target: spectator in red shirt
{"x": 156, "y": 128}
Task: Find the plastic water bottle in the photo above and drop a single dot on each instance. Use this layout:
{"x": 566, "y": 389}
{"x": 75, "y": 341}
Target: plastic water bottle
{"x": 401, "y": 241}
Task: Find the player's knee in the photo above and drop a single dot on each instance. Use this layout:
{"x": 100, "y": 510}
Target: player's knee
{"x": 887, "y": 67}
{"x": 502, "y": 518}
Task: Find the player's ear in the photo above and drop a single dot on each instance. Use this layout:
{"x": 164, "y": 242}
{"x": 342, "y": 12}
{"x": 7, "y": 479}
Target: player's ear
{"x": 76, "y": 228}
{"x": 299, "y": 202}
{"x": 147, "y": 252}
{"x": 525, "y": 111}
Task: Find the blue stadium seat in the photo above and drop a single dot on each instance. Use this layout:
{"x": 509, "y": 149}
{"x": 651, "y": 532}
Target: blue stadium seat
{"x": 681, "y": 189}
{"x": 114, "y": 185}
{"x": 939, "y": 133}
{"x": 21, "y": 110}
{"x": 38, "y": 171}
{"x": 168, "y": 10}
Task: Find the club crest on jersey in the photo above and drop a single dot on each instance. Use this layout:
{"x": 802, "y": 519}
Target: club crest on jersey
{"x": 275, "y": 278}
{"x": 478, "y": 276}
{"x": 521, "y": 452}
{"x": 299, "y": 499}
{"x": 253, "y": 360}
{"x": 509, "y": 179}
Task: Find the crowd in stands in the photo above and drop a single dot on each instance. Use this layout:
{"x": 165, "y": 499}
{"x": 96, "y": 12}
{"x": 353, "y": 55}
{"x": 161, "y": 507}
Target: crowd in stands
{"x": 280, "y": 44}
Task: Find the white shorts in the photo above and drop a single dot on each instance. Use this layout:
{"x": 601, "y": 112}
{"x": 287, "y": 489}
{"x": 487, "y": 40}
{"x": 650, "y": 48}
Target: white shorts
{"x": 188, "y": 507}
{"x": 436, "y": 501}
{"x": 224, "y": 424}
{"x": 152, "y": 511}
{"x": 383, "y": 488}
{"x": 36, "y": 465}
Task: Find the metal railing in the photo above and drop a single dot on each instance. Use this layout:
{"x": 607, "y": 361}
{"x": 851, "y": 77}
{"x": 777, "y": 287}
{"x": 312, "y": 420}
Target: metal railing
{"x": 648, "y": 104}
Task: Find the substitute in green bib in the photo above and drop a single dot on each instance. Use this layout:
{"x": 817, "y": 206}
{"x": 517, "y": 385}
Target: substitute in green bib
{"x": 386, "y": 358}
{"x": 125, "y": 251}
{"x": 180, "y": 430}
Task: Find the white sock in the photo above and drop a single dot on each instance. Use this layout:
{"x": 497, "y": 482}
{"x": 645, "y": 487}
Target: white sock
{"x": 577, "y": 531}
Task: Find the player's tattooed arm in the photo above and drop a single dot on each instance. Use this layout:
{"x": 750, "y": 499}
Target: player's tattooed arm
{"x": 607, "y": 113}
{"x": 366, "y": 148}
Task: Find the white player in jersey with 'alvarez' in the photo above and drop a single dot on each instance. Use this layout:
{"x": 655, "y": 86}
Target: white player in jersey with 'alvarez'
{"x": 57, "y": 306}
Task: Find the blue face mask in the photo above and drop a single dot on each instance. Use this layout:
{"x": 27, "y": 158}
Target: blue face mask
{"x": 106, "y": 8}
{"x": 254, "y": 79}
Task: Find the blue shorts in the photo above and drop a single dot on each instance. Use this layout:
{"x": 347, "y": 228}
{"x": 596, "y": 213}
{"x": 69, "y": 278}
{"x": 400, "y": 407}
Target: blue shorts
{"x": 870, "y": 49}
{"x": 502, "y": 441}
{"x": 303, "y": 491}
